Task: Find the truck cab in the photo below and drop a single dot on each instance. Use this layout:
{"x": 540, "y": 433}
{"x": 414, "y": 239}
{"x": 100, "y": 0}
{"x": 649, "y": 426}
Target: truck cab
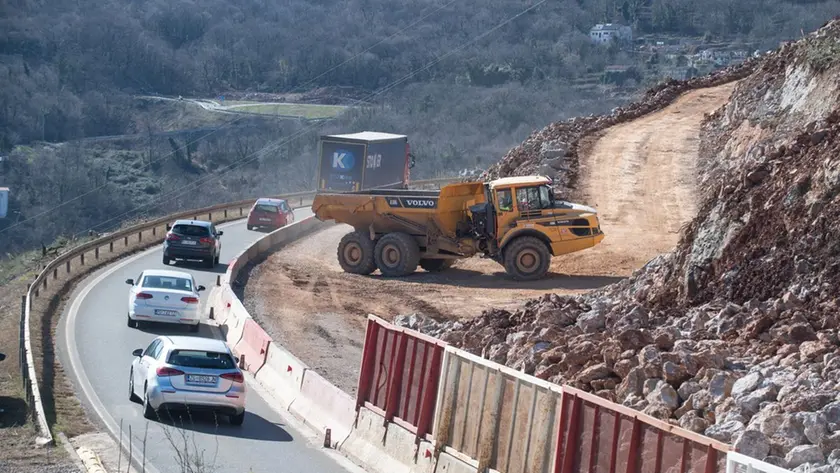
{"x": 526, "y": 213}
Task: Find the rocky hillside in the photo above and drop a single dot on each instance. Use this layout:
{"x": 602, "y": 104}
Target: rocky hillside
{"x": 734, "y": 334}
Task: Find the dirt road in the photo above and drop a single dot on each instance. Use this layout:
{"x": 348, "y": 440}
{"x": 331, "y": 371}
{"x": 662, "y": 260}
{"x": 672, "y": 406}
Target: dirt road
{"x": 640, "y": 177}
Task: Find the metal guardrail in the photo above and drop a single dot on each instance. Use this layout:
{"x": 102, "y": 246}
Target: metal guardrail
{"x": 128, "y": 236}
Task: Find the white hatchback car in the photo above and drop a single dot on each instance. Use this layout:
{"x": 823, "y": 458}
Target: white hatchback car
{"x": 192, "y": 373}
{"x": 161, "y": 295}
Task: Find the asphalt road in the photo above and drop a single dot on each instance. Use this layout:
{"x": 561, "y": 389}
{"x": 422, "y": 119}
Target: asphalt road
{"x": 96, "y": 345}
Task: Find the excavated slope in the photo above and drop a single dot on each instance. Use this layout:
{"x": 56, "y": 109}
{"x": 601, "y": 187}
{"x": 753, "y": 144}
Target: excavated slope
{"x": 734, "y": 334}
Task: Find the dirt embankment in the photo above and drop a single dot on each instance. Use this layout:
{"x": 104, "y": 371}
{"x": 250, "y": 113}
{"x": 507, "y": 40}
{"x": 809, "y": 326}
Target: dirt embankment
{"x": 734, "y": 334}
{"x": 641, "y": 179}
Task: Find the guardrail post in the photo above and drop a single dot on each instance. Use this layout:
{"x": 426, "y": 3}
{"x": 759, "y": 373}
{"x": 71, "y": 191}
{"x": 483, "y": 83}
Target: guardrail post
{"x": 111, "y": 246}
{"x": 140, "y": 236}
{"x": 225, "y": 213}
{"x": 154, "y": 231}
{"x": 67, "y": 265}
{"x": 96, "y": 253}
{"x": 21, "y": 349}
{"x": 55, "y": 273}
{"x": 125, "y": 240}
{"x": 210, "y": 216}
{"x": 218, "y": 280}
{"x": 82, "y": 258}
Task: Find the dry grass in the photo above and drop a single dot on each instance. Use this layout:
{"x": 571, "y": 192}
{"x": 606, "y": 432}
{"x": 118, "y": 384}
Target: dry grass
{"x": 311, "y": 111}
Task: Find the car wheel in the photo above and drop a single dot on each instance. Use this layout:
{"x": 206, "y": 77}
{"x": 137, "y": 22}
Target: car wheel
{"x": 195, "y": 328}
{"x": 237, "y": 419}
{"x": 165, "y": 261}
{"x": 249, "y": 227}
{"x": 209, "y": 262}
{"x": 131, "y": 323}
{"x": 131, "y": 396}
{"x": 216, "y": 261}
{"x": 148, "y": 410}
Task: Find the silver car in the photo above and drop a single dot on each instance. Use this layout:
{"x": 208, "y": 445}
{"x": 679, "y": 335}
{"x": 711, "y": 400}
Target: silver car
{"x": 193, "y": 373}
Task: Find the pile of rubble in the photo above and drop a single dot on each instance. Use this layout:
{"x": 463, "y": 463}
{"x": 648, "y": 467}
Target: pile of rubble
{"x": 553, "y": 151}
{"x": 734, "y": 334}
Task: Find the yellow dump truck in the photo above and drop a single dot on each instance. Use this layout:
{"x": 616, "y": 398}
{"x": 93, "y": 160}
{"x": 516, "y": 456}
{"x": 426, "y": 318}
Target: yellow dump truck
{"x": 516, "y": 221}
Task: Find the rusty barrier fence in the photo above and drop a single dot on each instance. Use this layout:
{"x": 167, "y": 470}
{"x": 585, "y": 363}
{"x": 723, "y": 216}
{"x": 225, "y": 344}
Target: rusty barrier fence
{"x": 86, "y": 255}
{"x": 399, "y": 375}
{"x": 599, "y": 436}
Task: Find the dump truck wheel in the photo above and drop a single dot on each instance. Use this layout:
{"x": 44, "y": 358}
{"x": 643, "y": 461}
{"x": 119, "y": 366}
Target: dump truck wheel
{"x": 527, "y": 258}
{"x": 355, "y": 253}
{"x": 397, "y": 254}
{"x": 436, "y": 265}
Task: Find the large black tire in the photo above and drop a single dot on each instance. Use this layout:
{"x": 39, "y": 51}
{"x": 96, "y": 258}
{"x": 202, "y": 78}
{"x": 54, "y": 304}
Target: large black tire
{"x": 165, "y": 260}
{"x": 527, "y": 258}
{"x": 397, "y": 255}
{"x": 131, "y": 323}
{"x": 436, "y": 265}
{"x": 355, "y": 253}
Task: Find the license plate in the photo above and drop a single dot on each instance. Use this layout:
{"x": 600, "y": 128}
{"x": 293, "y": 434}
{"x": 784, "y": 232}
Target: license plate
{"x": 265, "y": 220}
{"x": 201, "y": 379}
{"x": 189, "y": 242}
{"x": 165, "y": 312}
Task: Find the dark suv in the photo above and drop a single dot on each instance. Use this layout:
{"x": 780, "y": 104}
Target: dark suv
{"x": 193, "y": 240}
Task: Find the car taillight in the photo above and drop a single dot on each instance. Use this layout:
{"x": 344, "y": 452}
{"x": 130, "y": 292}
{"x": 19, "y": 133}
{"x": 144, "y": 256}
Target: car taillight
{"x": 172, "y": 237}
{"x": 235, "y": 377}
{"x": 190, "y": 300}
{"x": 164, "y": 371}
{"x": 206, "y": 240}
{"x": 143, "y": 295}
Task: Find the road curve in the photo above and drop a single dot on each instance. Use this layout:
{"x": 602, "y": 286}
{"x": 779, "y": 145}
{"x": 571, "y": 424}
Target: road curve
{"x": 95, "y": 348}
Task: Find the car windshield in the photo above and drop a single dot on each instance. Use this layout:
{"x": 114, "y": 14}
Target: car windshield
{"x": 201, "y": 359}
{"x": 167, "y": 282}
{"x": 191, "y": 230}
{"x": 268, "y": 208}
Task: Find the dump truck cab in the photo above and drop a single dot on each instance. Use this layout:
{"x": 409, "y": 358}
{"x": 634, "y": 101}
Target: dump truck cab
{"x": 524, "y": 225}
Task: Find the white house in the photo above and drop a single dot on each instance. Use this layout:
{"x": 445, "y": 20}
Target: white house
{"x": 604, "y": 33}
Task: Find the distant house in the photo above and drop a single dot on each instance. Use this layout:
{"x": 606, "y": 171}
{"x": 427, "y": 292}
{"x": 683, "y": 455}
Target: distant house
{"x": 603, "y": 33}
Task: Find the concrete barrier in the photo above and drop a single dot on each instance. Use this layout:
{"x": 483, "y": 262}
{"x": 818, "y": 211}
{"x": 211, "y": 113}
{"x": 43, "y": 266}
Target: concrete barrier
{"x": 387, "y": 447}
{"x": 253, "y": 346}
{"x": 323, "y": 406}
{"x": 282, "y": 374}
{"x": 234, "y": 323}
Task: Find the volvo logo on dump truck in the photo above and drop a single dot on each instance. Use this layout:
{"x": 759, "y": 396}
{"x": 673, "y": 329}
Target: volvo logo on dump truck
{"x": 425, "y": 203}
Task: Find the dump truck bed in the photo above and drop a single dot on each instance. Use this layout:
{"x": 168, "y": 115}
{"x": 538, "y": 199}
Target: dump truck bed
{"x": 397, "y": 210}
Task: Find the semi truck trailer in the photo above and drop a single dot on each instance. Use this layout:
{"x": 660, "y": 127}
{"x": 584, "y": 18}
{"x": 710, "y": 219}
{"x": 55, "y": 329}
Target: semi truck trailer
{"x": 516, "y": 221}
{"x": 366, "y": 160}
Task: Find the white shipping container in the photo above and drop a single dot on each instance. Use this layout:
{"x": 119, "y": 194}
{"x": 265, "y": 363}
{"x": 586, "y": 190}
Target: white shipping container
{"x": 4, "y": 201}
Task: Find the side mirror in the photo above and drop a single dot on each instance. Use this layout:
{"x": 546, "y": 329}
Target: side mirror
{"x": 221, "y": 233}
{"x": 130, "y": 282}
{"x": 137, "y": 352}
{"x": 236, "y": 360}
{"x": 200, "y": 288}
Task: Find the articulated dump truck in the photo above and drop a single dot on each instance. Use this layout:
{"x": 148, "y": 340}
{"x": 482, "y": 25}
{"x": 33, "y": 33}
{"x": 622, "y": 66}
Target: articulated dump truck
{"x": 516, "y": 221}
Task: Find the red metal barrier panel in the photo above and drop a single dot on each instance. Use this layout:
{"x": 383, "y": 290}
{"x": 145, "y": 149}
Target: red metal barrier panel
{"x": 598, "y": 436}
{"x": 400, "y": 374}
